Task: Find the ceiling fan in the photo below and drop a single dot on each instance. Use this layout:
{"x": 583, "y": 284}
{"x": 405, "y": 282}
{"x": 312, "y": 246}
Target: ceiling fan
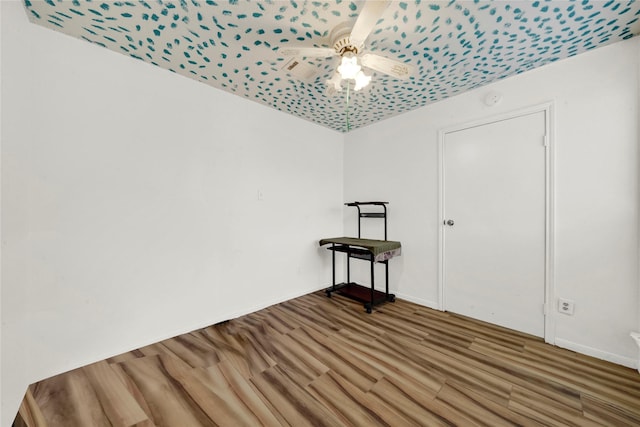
{"x": 348, "y": 43}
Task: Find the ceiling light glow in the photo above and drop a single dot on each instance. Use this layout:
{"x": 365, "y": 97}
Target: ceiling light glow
{"x": 349, "y": 67}
{"x": 362, "y": 80}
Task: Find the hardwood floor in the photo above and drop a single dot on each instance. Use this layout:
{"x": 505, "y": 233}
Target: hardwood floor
{"x": 319, "y": 361}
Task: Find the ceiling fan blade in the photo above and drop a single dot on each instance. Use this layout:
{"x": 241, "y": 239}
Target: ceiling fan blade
{"x": 388, "y": 66}
{"x": 315, "y": 52}
{"x": 371, "y": 12}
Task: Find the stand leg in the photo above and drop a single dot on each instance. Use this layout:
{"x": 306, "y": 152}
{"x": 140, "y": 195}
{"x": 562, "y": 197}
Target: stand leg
{"x": 333, "y": 273}
{"x": 390, "y": 297}
{"x": 333, "y": 269}
{"x": 386, "y": 274}
{"x": 370, "y": 305}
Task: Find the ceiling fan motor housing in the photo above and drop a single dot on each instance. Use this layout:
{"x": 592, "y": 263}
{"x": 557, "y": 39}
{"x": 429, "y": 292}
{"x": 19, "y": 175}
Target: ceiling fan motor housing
{"x": 341, "y": 41}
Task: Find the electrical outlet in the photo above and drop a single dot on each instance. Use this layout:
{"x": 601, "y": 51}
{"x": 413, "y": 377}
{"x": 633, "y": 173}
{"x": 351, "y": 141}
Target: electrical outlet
{"x": 566, "y": 306}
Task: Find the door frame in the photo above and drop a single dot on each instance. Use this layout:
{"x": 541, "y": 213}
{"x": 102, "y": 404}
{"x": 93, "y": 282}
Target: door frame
{"x": 549, "y": 288}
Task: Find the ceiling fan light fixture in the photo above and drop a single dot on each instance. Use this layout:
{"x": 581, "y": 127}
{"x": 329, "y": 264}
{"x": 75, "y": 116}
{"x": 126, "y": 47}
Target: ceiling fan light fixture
{"x": 334, "y": 84}
{"x": 349, "y": 67}
{"x": 362, "y": 81}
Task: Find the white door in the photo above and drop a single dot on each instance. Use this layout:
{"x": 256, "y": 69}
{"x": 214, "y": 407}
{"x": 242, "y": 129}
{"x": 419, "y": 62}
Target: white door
{"x": 494, "y": 198}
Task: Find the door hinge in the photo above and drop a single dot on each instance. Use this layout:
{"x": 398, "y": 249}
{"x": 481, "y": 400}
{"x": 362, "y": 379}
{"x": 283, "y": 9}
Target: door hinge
{"x": 545, "y": 140}
{"x": 545, "y": 309}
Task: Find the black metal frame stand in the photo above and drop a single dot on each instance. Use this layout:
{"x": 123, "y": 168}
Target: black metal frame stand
{"x": 368, "y": 296}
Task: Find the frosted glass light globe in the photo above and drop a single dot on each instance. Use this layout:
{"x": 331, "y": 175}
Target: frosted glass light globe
{"x": 362, "y": 80}
{"x": 349, "y": 67}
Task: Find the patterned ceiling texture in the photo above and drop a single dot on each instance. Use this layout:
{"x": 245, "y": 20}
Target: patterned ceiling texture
{"x": 233, "y": 45}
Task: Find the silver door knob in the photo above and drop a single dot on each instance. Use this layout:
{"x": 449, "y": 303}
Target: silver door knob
{"x": 449, "y": 222}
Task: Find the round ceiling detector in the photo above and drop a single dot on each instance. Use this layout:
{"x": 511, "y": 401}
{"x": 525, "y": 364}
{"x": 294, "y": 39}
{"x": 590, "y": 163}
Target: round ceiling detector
{"x": 492, "y": 98}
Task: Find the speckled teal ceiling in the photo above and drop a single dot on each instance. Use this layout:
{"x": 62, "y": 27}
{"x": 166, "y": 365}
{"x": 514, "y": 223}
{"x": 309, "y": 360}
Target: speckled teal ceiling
{"x": 233, "y": 45}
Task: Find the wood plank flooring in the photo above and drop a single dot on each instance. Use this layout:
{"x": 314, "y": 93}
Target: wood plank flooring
{"x": 318, "y": 361}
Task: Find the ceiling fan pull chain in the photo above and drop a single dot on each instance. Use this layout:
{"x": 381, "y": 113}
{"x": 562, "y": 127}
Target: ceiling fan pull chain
{"x": 346, "y": 108}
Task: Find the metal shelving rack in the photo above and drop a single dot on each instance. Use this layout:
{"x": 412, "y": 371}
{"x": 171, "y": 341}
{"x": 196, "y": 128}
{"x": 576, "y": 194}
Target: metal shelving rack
{"x": 369, "y": 296}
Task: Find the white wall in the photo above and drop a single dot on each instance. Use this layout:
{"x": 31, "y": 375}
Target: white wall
{"x": 130, "y": 211}
{"x": 130, "y": 208}
{"x": 596, "y": 97}
{"x": 1, "y": 239}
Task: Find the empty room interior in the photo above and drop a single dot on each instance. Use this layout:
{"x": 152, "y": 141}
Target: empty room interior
{"x": 171, "y": 168}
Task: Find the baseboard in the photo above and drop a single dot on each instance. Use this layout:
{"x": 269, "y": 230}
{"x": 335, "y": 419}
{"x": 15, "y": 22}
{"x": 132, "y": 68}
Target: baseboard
{"x": 419, "y": 301}
{"x": 231, "y": 315}
{"x": 222, "y": 317}
{"x": 269, "y": 303}
{"x": 569, "y": 345}
{"x": 599, "y": 354}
